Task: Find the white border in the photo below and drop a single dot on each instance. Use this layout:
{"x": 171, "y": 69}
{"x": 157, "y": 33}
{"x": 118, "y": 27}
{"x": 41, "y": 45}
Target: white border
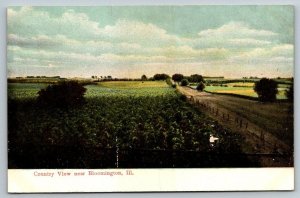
{"x": 149, "y": 180}
{"x": 3, "y": 91}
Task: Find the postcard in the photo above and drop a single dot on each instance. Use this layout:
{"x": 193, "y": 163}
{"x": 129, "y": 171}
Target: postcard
{"x": 150, "y": 98}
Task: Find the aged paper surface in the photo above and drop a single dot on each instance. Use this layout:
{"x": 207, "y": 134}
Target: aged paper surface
{"x": 150, "y": 98}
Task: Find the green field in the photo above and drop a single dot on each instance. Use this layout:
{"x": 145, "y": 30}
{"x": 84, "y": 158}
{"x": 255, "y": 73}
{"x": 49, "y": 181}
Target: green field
{"x": 244, "y": 89}
{"x": 127, "y": 115}
{"x": 133, "y": 84}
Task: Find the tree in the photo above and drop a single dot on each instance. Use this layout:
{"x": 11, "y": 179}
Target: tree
{"x": 161, "y": 77}
{"x": 266, "y": 89}
{"x": 196, "y": 78}
{"x": 200, "y": 86}
{"x": 62, "y": 95}
{"x": 177, "y": 77}
{"x": 290, "y": 93}
{"x": 184, "y": 82}
{"x": 144, "y": 77}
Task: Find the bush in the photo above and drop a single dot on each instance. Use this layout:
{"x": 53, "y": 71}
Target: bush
{"x": 266, "y": 90}
{"x": 169, "y": 82}
{"x": 184, "y": 82}
{"x": 63, "y": 95}
{"x": 290, "y": 93}
{"x": 200, "y": 86}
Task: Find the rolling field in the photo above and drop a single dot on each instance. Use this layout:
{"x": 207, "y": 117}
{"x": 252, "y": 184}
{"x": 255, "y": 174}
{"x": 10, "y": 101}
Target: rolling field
{"x": 146, "y": 122}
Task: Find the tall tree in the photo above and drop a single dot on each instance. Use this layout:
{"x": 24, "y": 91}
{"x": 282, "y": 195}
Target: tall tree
{"x": 266, "y": 89}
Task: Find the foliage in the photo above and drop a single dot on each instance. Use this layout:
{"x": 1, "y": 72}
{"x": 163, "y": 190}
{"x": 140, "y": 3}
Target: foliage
{"x": 63, "y": 94}
{"x": 266, "y": 89}
{"x": 184, "y": 82}
{"x": 196, "y": 78}
{"x": 290, "y": 93}
{"x": 161, "y": 76}
{"x": 177, "y": 77}
{"x": 169, "y": 81}
{"x": 200, "y": 86}
{"x": 144, "y": 77}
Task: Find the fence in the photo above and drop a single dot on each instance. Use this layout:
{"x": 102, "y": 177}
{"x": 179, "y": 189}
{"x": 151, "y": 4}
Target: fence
{"x": 241, "y": 124}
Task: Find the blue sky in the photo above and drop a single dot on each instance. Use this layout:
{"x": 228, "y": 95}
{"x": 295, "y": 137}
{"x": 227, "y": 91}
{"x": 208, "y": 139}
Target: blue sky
{"x": 230, "y": 41}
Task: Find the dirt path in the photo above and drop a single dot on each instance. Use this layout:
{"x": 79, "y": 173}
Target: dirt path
{"x": 224, "y": 110}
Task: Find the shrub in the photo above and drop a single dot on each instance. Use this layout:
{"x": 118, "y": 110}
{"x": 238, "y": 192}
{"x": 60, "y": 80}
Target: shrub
{"x": 184, "y": 82}
{"x": 290, "y": 93}
{"x": 63, "y": 95}
{"x": 200, "y": 86}
{"x": 266, "y": 89}
{"x": 169, "y": 82}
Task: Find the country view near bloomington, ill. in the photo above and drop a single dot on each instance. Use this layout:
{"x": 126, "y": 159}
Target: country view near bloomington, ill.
{"x": 150, "y": 87}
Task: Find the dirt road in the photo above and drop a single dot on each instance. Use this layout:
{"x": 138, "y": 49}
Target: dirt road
{"x": 268, "y": 128}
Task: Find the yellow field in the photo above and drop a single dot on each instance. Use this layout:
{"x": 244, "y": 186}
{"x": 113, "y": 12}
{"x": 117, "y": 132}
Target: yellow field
{"x": 133, "y": 84}
{"x": 246, "y": 92}
{"x": 244, "y": 84}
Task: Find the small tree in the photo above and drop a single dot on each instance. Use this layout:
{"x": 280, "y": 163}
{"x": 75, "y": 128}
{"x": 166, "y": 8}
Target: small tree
{"x": 177, "y": 77}
{"x": 63, "y": 95}
{"x": 144, "y": 77}
{"x": 266, "y": 89}
{"x": 184, "y": 82}
{"x": 169, "y": 82}
{"x": 290, "y": 93}
{"x": 200, "y": 86}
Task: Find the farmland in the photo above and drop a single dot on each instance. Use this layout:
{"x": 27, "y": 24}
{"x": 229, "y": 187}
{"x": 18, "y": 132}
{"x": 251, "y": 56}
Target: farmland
{"x": 268, "y": 127}
{"x": 244, "y": 89}
{"x": 122, "y": 124}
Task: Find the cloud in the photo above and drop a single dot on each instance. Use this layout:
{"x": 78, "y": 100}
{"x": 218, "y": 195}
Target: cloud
{"x": 236, "y": 30}
{"x": 78, "y": 26}
{"x": 73, "y": 42}
{"x": 30, "y": 22}
{"x": 248, "y": 42}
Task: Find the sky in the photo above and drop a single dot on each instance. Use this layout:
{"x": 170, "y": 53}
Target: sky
{"x": 129, "y": 41}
